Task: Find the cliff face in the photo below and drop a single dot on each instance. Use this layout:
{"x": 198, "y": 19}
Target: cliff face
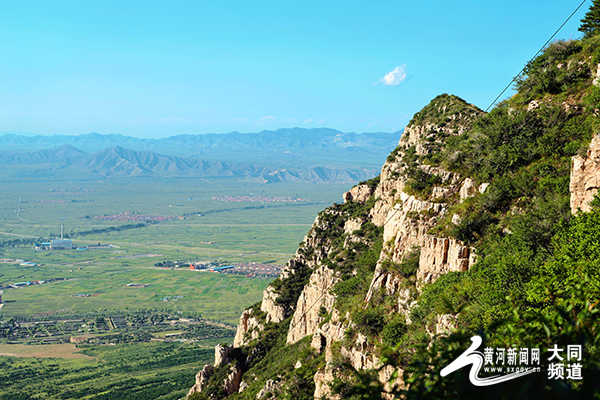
{"x": 370, "y": 271}
{"x": 585, "y": 177}
{"x": 306, "y": 318}
{"x": 380, "y": 211}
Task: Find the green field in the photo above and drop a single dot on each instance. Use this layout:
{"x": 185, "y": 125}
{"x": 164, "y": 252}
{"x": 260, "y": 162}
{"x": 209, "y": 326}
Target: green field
{"x": 154, "y": 370}
{"x": 135, "y": 359}
{"x": 266, "y": 232}
{"x": 212, "y": 295}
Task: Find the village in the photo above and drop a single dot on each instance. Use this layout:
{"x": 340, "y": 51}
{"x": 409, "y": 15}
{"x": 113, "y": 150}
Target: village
{"x": 250, "y": 269}
{"x": 257, "y": 199}
{"x": 111, "y": 329}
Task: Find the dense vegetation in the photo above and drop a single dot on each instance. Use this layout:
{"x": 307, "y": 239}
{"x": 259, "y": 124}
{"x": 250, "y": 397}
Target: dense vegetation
{"x": 125, "y": 371}
{"x": 536, "y": 282}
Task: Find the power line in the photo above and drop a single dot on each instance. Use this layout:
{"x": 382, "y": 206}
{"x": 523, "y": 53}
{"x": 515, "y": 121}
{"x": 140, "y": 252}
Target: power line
{"x": 536, "y": 54}
{"x": 487, "y": 109}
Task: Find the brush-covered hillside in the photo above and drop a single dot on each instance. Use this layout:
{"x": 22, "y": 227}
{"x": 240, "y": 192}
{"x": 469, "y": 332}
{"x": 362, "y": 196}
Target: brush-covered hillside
{"x": 479, "y": 224}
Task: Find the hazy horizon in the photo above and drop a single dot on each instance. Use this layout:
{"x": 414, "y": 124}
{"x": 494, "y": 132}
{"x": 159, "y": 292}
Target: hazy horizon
{"x": 20, "y": 133}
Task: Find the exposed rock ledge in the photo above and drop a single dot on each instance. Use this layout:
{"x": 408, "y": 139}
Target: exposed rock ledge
{"x": 359, "y": 194}
{"x": 202, "y": 378}
{"x": 275, "y": 313}
{"x": 442, "y": 255}
{"x": 248, "y": 329}
{"x": 315, "y": 295}
{"x": 585, "y": 177}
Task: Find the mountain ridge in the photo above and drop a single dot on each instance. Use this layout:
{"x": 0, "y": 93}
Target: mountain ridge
{"x": 479, "y": 225}
{"x": 120, "y": 162}
{"x": 289, "y": 146}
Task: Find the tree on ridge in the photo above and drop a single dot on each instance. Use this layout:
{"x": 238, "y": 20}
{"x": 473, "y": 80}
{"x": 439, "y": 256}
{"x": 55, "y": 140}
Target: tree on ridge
{"x": 590, "y": 24}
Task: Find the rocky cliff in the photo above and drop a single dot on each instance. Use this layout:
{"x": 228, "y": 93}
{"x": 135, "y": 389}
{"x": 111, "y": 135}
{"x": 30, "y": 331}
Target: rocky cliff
{"x": 463, "y": 206}
{"x": 585, "y": 177}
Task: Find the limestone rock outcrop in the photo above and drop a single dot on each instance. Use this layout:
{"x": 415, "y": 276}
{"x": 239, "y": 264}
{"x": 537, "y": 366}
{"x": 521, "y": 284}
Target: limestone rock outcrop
{"x": 248, "y": 329}
{"x": 445, "y": 324}
{"x": 222, "y": 354}
{"x": 315, "y": 295}
{"x": 359, "y": 194}
{"x": 442, "y": 255}
{"x": 271, "y": 387}
{"x": 467, "y": 189}
{"x": 322, "y": 380}
{"x": 596, "y": 81}
{"x": 585, "y": 177}
{"x": 231, "y": 384}
{"x": 275, "y": 313}
{"x": 202, "y": 378}
{"x": 407, "y": 217}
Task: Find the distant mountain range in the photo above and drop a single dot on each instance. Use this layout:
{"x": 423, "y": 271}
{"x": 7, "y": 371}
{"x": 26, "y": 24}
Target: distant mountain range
{"x": 295, "y": 146}
{"x": 296, "y": 155}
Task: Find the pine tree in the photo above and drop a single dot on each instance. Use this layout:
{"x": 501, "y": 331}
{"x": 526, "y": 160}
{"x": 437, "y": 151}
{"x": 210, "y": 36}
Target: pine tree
{"x": 590, "y": 24}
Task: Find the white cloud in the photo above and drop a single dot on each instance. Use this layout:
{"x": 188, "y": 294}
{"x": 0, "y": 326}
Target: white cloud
{"x": 269, "y": 117}
{"x": 308, "y": 120}
{"x": 395, "y": 77}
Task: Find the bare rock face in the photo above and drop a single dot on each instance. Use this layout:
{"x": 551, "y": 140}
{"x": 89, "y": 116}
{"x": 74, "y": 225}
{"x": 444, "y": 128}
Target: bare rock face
{"x": 359, "y": 194}
{"x": 322, "y": 380}
{"x": 315, "y": 295}
{"x": 231, "y": 384}
{"x": 222, "y": 355}
{"x": 389, "y": 190}
{"x": 467, "y": 189}
{"x": 359, "y": 355}
{"x": 243, "y": 386}
{"x": 352, "y": 225}
{"x": 318, "y": 342}
{"x": 406, "y": 224}
{"x": 333, "y": 331}
{"x": 596, "y": 80}
{"x": 275, "y": 313}
{"x": 248, "y": 326}
{"x": 585, "y": 177}
{"x": 389, "y": 384}
{"x": 271, "y": 387}
{"x": 202, "y": 378}
{"x": 442, "y": 255}
{"x": 446, "y": 323}
{"x": 441, "y": 192}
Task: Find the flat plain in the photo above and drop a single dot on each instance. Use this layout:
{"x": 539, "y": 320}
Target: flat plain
{"x": 196, "y": 227}
{"x": 139, "y": 223}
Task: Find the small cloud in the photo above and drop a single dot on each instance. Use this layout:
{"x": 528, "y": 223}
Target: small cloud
{"x": 268, "y": 117}
{"x": 308, "y": 120}
{"x": 321, "y": 121}
{"x": 395, "y": 77}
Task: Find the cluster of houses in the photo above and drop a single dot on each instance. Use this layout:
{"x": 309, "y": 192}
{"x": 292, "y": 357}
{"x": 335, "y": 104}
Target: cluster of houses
{"x": 20, "y": 262}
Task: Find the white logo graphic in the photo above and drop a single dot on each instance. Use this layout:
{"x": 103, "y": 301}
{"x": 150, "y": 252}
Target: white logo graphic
{"x": 476, "y": 359}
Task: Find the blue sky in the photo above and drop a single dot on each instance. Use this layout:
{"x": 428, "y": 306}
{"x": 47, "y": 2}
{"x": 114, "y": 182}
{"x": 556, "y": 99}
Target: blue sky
{"x": 157, "y": 69}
